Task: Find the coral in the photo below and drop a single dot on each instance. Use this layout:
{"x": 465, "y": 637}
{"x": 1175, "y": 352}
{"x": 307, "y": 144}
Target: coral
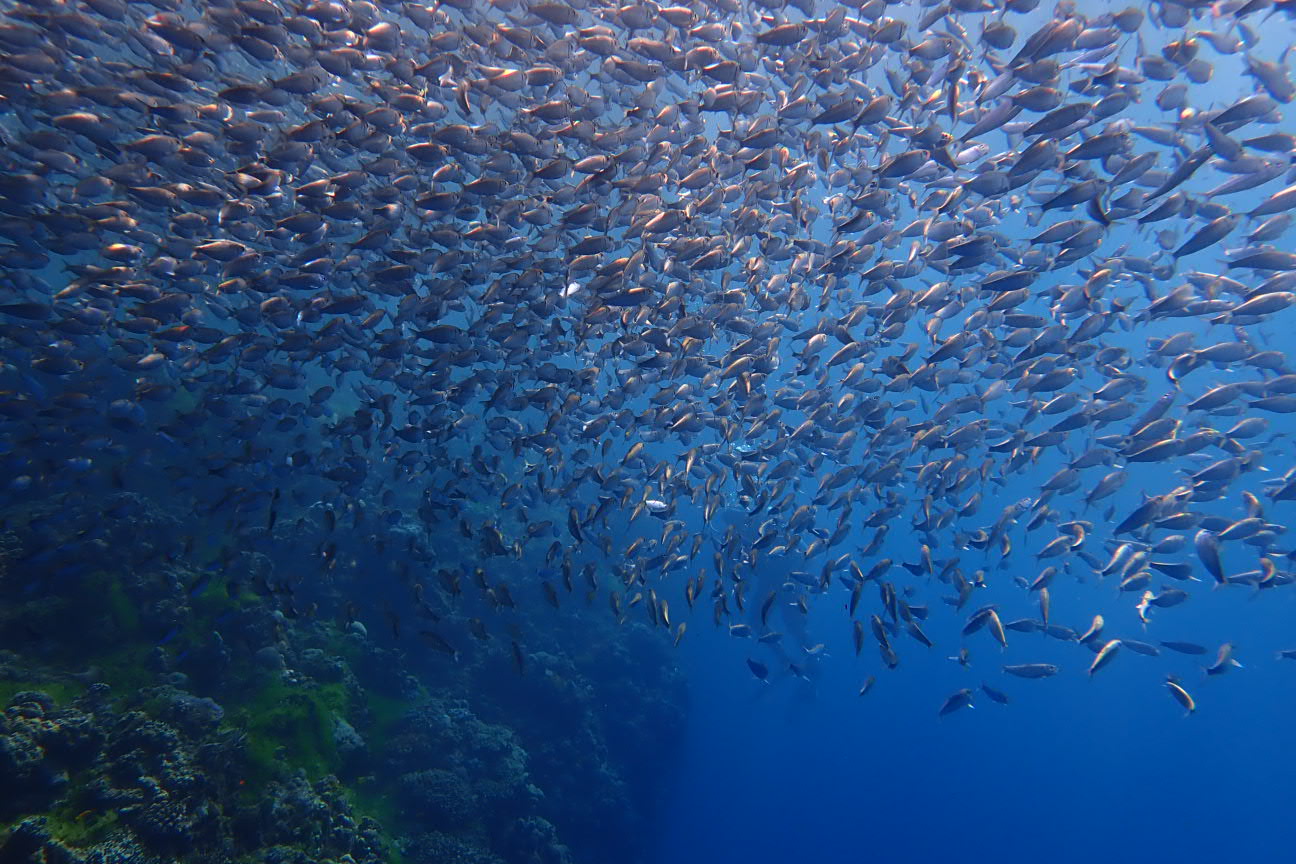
{"x": 288, "y": 727}
{"x": 437, "y": 798}
{"x": 533, "y": 840}
{"x": 349, "y": 743}
{"x": 209, "y": 660}
{"x": 23, "y": 770}
{"x": 316, "y": 818}
{"x": 24, "y": 842}
{"x": 194, "y": 716}
{"x": 271, "y": 658}
{"x": 597, "y": 767}
{"x": 212, "y": 727}
{"x": 381, "y": 670}
{"x": 283, "y": 855}
{"x": 449, "y": 734}
{"x": 321, "y": 667}
{"x": 38, "y": 747}
{"x": 165, "y": 824}
{"x": 16, "y": 678}
{"x": 435, "y": 847}
{"x": 123, "y": 849}
{"x": 58, "y": 852}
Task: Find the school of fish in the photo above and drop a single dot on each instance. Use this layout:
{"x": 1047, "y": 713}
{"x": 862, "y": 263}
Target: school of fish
{"x": 683, "y": 293}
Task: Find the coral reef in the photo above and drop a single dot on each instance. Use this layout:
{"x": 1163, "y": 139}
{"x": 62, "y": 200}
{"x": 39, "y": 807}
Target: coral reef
{"x": 122, "y": 786}
{"x": 435, "y": 847}
{"x": 160, "y": 709}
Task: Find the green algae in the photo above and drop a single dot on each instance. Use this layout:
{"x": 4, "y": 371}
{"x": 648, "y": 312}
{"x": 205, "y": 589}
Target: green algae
{"x": 213, "y": 599}
{"x": 73, "y": 820}
{"x": 124, "y": 663}
{"x": 125, "y": 671}
{"x": 385, "y": 712}
{"x": 368, "y": 801}
{"x": 61, "y": 692}
{"x": 289, "y": 728}
{"x": 79, "y": 827}
{"x": 119, "y": 605}
{"x": 105, "y": 608}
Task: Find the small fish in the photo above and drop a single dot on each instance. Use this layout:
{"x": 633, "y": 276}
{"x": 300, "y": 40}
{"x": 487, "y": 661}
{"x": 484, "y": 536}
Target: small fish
{"x": 1094, "y": 631}
{"x": 402, "y": 288}
{"x": 1105, "y": 655}
{"x": 1208, "y": 552}
{"x": 995, "y": 695}
{"x": 1185, "y": 647}
{"x": 1032, "y": 670}
{"x": 1224, "y": 660}
{"x": 955, "y": 701}
{"x": 1180, "y": 695}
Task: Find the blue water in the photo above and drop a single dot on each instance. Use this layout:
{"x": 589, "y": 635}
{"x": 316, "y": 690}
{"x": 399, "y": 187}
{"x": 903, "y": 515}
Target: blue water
{"x": 1072, "y": 770}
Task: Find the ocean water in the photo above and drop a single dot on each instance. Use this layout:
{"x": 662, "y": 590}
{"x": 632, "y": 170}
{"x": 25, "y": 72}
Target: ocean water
{"x": 418, "y": 443}
{"x": 1072, "y": 769}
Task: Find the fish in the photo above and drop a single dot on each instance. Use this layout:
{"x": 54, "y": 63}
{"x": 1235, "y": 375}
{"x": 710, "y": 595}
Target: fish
{"x": 1210, "y": 234}
{"x": 519, "y": 657}
{"x": 995, "y": 695}
{"x": 956, "y": 700}
{"x": 713, "y": 301}
{"x": 439, "y": 643}
{"x": 1224, "y": 660}
{"x": 1094, "y": 631}
{"x": 1105, "y": 655}
{"x": 1181, "y": 695}
{"x": 1184, "y": 647}
{"x": 1208, "y": 552}
{"x": 1031, "y": 670}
